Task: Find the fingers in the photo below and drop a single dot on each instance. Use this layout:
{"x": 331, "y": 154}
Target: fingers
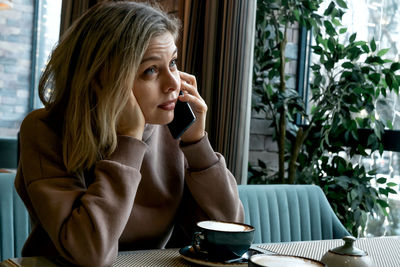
{"x": 188, "y": 83}
{"x": 131, "y": 121}
{"x": 199, "y": 106}
{"x": 188, "y": 78}
{"x": 197, "y": 103}
{"x": 191, "y": 94}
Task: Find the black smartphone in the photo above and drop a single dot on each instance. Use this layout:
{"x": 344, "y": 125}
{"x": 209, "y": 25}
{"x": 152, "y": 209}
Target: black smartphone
{"x": 183, "y": 118}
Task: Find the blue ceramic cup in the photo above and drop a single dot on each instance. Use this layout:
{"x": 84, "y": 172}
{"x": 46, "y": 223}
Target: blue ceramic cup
{"x": 222, "y": 240}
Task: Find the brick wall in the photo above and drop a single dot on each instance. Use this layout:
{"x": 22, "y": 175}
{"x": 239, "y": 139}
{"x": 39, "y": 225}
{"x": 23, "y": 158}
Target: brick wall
{"x": 15, "y": 64}
{"x": 262, "y": 145}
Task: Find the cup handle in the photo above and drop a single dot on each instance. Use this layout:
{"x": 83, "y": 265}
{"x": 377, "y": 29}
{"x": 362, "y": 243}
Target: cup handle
{"x": 196, "y": 242}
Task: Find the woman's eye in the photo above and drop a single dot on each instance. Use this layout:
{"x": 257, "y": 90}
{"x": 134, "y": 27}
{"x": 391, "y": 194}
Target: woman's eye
{"x": 150, "y": 71}
{"x": 173, "y": 63}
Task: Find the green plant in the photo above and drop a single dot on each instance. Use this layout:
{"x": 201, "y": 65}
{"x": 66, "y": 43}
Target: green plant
{"x": 347, "y": 79}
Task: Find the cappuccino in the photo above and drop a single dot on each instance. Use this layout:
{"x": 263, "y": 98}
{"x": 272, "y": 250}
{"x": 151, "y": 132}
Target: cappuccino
{"x": 222, "y": 241}
{"x": 224, "y": 226}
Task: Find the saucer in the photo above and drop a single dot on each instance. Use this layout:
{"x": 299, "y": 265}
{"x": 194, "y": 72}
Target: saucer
{"x": 190, "y": 255}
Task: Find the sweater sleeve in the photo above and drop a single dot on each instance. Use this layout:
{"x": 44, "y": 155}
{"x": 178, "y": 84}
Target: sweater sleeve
{"x": 211, "y": 184}
{"x": 84, "y": 223}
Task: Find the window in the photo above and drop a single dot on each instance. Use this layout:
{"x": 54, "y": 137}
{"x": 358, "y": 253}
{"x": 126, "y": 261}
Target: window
{"x": 48, "y": 29}
{"x": 28, "y": 31}
{"x": 373, "y": 18}
{"x": 378, "y": 20}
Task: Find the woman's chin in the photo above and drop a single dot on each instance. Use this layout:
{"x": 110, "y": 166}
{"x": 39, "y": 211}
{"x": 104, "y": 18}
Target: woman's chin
{"x": 169, "y": 120}
{"x": 161, "y": 120}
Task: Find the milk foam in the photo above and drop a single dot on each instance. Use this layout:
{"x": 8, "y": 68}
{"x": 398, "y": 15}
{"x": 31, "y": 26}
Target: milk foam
{"x": 223, "y": 226}
{"x": 284, "y": 261}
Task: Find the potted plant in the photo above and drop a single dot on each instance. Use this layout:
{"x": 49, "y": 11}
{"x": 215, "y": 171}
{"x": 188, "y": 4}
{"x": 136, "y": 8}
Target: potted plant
{"x": 347, "y": 79}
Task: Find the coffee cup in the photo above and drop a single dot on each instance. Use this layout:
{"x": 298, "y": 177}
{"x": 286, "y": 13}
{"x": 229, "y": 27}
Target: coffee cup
{"x": 222, "y": 240}
{"x": 276, "y": 260}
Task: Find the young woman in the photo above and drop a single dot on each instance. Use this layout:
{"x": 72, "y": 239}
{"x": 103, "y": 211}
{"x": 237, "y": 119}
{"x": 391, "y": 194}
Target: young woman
{"x": 99, "y": 171}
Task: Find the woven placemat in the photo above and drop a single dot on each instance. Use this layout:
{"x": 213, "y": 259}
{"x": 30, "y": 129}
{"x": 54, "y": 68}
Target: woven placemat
{"x": 156, "y": 258}
{"x": 385, "y": 251}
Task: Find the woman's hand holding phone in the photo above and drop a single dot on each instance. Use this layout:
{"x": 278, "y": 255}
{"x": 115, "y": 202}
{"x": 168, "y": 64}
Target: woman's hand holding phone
{"x": 190, "y": 94}
{"x": 131, "y": 121}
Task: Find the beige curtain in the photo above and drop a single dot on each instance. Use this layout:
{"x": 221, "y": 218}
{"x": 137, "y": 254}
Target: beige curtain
{"x": 217, "y": 46}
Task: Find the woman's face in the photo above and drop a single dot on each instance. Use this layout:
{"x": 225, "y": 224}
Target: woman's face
{"x": 157, "y": 82}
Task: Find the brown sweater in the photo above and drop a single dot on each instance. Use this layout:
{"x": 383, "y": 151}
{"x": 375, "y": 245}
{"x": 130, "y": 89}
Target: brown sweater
{"x": 146, "y": 194}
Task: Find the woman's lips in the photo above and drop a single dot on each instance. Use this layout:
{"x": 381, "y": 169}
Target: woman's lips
{"x": 169, "y": 105}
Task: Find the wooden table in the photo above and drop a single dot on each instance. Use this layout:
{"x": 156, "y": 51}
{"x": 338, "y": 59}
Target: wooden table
{"x": 385, "y": 251}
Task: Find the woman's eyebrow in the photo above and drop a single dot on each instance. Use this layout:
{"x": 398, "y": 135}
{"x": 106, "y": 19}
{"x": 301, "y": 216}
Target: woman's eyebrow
{"x": 150, "y": 58}
{"x": 155, "y": 58}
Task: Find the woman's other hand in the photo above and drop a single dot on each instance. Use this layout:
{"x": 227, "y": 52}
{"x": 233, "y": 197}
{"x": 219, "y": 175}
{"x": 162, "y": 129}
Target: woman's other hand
{"x": 190, "y": 94}
{"x": 131, "y": 122}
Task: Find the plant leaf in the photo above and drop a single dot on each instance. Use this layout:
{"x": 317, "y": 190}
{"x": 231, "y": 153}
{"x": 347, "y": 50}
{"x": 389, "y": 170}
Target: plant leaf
{"x": 365, "y": 48}
{"x": 348, "y": 65}
{"x": 381, "y": 180}
{"x": 382, "y": 52}
{"x": 391, "y": 191}
{"x": 389, "y": 80}
{"x": 382, "y": 203}
{"x": 330, "y": 30}
{"x": 352, "y": 37}
{"x": 373, "y": 45}
{"x": 341, "y": 3}
{"x": 336, "y": 22}
{"x": 262, "y": 164}
{"x": 374, "y": 78}
{"x": 330, "y": 9}
{"x": 395, "y": 66}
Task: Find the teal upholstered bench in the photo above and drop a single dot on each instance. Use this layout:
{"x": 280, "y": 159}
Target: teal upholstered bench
{"x": 284, "y": 213}
{"x": 14, "y": 219}
{"x": 9, "y": 153}
{"x": 280, "y": 213}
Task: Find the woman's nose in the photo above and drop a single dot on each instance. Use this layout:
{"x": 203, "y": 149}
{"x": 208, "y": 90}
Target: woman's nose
{"x": 172, "y": 81}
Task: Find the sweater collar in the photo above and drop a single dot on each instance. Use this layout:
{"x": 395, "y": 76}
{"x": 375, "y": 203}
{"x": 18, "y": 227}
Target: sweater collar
{"x": 148, "y": 131}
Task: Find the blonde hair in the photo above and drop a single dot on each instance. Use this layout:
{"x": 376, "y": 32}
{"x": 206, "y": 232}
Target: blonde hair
{"x": 87, "y": 80}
